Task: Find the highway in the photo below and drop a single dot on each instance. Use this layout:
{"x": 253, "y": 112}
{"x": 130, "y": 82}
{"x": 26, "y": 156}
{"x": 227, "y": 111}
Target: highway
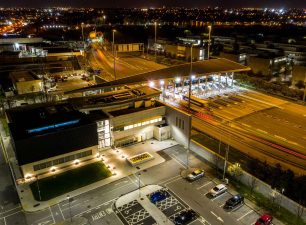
{"x": 125, "y": 66}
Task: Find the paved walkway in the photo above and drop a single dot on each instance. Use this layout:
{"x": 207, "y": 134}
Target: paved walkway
{"x": 115, "y": 159}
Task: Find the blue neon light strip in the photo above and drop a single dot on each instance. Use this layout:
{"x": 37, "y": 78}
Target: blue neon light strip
{"x": 39, "y": 129}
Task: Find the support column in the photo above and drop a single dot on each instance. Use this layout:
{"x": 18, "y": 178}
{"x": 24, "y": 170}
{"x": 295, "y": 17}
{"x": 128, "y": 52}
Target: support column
{"x": 199, "y": 85}
{"x": 219, "y": 82}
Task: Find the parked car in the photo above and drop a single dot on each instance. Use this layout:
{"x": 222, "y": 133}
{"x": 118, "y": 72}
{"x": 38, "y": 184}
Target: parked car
{"x": 159, "y": 196}
{"x": 196, "y": 174}
{"x": 234, "y": 201}
{"x": 185, "y": 217}
{"x": 265, "y": 219}
{"x": 219, "y": 189}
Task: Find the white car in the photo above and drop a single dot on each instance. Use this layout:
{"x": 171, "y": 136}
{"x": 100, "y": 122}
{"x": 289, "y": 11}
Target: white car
{"x": 219, "y": 189}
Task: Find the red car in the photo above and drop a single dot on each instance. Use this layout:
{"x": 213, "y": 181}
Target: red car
{"x": 265, "y": 219}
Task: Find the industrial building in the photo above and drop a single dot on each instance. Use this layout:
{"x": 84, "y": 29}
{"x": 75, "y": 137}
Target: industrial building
{"x": 55, "y": 137}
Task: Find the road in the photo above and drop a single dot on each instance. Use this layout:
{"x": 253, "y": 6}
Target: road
{"x": 97, "y": 205}
{"x": 125, "y": 66}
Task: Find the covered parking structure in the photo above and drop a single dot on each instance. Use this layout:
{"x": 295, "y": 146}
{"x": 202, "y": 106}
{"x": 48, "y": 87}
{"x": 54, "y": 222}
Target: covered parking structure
{"x": 175, "y": 76}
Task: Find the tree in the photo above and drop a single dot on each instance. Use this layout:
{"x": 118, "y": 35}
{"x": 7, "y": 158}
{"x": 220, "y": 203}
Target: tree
{"x": 235, "y": 170}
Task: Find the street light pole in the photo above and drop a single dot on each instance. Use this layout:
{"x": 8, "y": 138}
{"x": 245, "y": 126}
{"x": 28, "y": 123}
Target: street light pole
{"x": 114, "y": 54}
{"x": 208, "y": 48}
{"x": 155, "y": 25}
{"x": 139, "y": 184}
{"x": 189, "y": 106}
{"x": 68, "y": 198}
{"x": 38, "y": 188}
{"x": 82, "y": 26}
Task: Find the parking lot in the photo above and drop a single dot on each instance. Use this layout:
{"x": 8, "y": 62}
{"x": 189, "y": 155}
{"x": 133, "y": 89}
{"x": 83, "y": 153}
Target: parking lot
{"x": 242, "y": 213}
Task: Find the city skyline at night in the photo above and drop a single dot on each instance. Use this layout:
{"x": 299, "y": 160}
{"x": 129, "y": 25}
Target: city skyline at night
{"x": 154, "y": 3}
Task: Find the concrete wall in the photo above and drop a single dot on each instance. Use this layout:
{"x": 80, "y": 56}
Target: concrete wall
{"x": 180, "y": 124}
{"x": 249, "y": 180}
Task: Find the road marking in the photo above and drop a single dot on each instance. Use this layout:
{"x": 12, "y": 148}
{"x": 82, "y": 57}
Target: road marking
{"x": 36, "y": 221}
{"x": 61, "y": 211}
{"x": 70, "y": 202}
{"x": 4, "y": 221}
{"x": 10, "y": 210}
{"x": 207, "y": 193}
{"x": 218, "y": 217}
{"x": 52, "y": 215}
{"x": 89, "y": 210}
{"x": 218, "y": 196}
{"x": 133, "y": 182}
{"x": 245, "y": 215}
{"x": 204, "y": 185}
{"x": 45, "y": 222}
{"x": 169, "y": 179}
{"x": 98, "y": 215}
{"x": 125, "y": 181}
{"x": 222, "y": 205}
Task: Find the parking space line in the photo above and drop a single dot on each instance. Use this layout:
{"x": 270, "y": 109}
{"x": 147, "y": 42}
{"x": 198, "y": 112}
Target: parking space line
{"x": 222, "y": 205}
{"x": 61, "y": 211}
{"x": 245, "y": 214}
{"x": 52, "y": 215}
{"x": 204, "y": 185}
{"x": 4, "y": 220}
{"x": 218, "y": 196}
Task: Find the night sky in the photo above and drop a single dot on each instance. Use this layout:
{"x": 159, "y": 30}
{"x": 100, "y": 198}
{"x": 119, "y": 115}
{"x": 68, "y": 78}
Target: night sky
{"x": 155, "y": 3}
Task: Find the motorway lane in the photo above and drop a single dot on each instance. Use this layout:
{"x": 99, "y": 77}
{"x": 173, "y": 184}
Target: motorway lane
{"x": 125, "y": 66}
{"x": 249, "y": 146}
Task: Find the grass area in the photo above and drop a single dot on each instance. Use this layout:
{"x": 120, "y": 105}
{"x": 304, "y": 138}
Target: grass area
{"x": 5, "y": 125}
{"x": 277, "y": 211}
{"x": 53, "y": 186}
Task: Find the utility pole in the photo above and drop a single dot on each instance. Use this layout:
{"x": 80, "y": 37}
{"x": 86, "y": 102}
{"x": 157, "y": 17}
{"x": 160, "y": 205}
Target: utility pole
{"x": 82, "y": 26}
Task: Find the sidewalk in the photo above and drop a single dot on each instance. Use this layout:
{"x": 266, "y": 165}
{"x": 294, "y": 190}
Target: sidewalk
{"x": 118, "y": 165}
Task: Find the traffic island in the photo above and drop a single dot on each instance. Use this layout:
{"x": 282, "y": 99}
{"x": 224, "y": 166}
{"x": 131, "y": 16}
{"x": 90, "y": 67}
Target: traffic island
{"x": 59, "y": 184}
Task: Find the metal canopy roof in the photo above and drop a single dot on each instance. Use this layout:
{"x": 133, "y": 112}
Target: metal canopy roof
{"x": 212, "y": 66}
